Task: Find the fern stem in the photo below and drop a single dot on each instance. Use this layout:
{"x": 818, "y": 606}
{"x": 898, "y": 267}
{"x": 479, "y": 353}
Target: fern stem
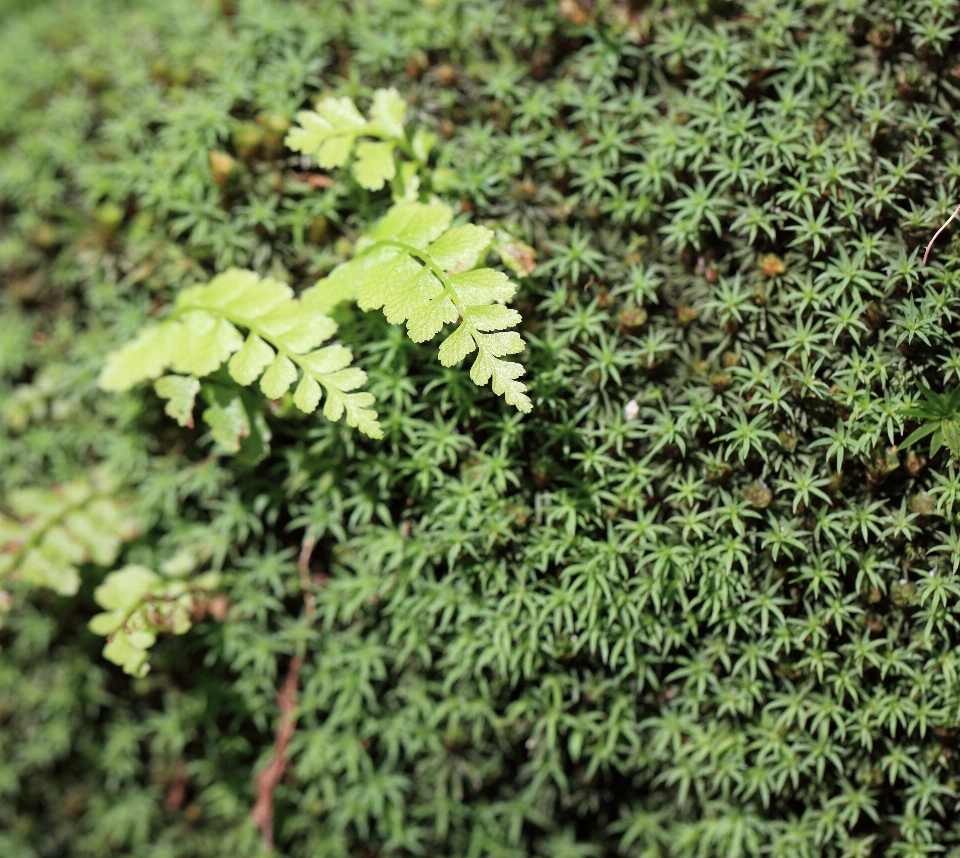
{"x": 400, "y": 142}
{"x": 435, "y": 269}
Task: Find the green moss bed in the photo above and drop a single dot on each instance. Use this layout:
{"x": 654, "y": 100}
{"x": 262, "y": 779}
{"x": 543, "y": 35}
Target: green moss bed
{"x": 701, "y": 601}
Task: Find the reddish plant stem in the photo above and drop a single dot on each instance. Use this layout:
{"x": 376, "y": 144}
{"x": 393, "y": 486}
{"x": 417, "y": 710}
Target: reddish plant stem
{"x": 937, "y": 234}
{"x": 262, "y": 813}
{"x": 303, "y": 566}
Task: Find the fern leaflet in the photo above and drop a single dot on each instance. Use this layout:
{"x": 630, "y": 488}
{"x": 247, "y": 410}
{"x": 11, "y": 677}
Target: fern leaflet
{"x": 282, "y": 345}
{"x": 418, "y": 270}
{"x": 140, "y": 604}
{"x": 330, "y": 133}
{"x": 48, "y": 533}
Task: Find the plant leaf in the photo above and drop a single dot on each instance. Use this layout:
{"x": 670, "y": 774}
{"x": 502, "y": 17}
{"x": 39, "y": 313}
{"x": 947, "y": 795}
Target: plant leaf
{"x": 143, "y": 358}
{"x": 426, "y": 322}
{"x": 307, "y": 395}
{"x": 279, "y": 376}
{"x": 249, "y": 362}
{"x": 460, "y": 249}
{"x": 920, "y": 434}
{"x": 483, "y": 286}
{"x": 202, "y": 344}
{"x": 387, "y": 111}
{"x": 181, "y": 392}
{"x": 951, "y": 435}
{"x": 229, "y": 423}
{"x": 374, "y": 166}
{"x": 122, "y": 589}
{"x": 412, "y": 223}
{"x": 457, "y": 346}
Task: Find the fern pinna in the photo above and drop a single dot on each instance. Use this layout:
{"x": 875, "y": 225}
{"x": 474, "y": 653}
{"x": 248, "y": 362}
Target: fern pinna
{"x": 281, "y": 347}
{"x": 412, "y": 264}
{"x": 331, "y": 133}
{"x": 422, "y": 272}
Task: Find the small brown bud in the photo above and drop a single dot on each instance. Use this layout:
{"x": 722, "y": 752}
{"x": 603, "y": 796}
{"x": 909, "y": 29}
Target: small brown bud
{"x": 686, "y": 315}
{"x": 921, "y": 504}
{"x": 914, "y": 463}
{"x": 446, "y": 74}
{"x": 218, "y": 607}
{"x": 631, "y": 317}
{"x": 222, "y": 165}
{"x": 758, "y": 494}
{"x": 771, "y": 265}
{"x": 720, "y": 380}
{"x": 788, "y": 441}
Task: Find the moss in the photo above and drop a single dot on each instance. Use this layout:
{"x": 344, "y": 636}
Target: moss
{"x": 698, "y": 602}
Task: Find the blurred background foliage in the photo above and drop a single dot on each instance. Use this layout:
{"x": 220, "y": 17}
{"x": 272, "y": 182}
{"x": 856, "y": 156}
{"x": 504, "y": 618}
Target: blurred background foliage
{"x": 697, "y": 603}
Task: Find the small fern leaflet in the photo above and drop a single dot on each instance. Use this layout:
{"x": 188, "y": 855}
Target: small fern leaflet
{"x": 418, "y": 270}
{"x": 281, "y": 346}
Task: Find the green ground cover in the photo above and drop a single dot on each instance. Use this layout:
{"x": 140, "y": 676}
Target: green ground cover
{"x": 701, "y": 600}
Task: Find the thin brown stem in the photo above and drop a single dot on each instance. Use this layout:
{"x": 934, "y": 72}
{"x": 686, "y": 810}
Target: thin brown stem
{"x": 262, "y": 813}
{"x": 936, "y": 235}
{"x": 303, "y": 566}
{"x": 268, "y": 779}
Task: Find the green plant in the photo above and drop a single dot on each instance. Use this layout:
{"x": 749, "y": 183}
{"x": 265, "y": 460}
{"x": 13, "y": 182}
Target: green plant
{"x": 701, "y": 601}
{"x": 330, "y": 134}
{"x": 140, "y": 604}
{"x": 412, "y": 264}
{"x": 940, "y": 420}
{"x": 47, "y": 534}
{"x": 281, "y": 346}
{"x": 418, "y": 270}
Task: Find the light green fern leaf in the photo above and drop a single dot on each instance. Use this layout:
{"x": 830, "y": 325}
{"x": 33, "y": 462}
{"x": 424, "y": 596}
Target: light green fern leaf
{"x": 249, "y": 362}
{"x": 229, "y": 424}
{"x": 180, "y": 392}
{"x": 46, "y": 534}
{"x": 145, "y": 357}
{"x": 200, "y": 343}
{"x": 386, "y": 113}
{"x": 410, "y": 223}
{"x": 374, "y": 166}
{"x": 140, "y": 604}
{"x": 330, "y": 134}
{"x": 422, "y": 272}
{"x": 282, "y": 344}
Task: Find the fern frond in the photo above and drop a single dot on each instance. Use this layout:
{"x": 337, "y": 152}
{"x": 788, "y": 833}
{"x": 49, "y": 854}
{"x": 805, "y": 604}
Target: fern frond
{"x": 282, "y": 346}
{"x": 330, "y": 134}
{"x": 46, "y": 534}
{"x": 418, "y": 270}
{"x": 140, "y": 604}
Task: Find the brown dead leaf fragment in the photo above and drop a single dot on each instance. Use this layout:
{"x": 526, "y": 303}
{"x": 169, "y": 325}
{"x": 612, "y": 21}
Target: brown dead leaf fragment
{"x": 577, "y": 13}
{"x": 317, "y": 181}
{"x": 517, "y": 255}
